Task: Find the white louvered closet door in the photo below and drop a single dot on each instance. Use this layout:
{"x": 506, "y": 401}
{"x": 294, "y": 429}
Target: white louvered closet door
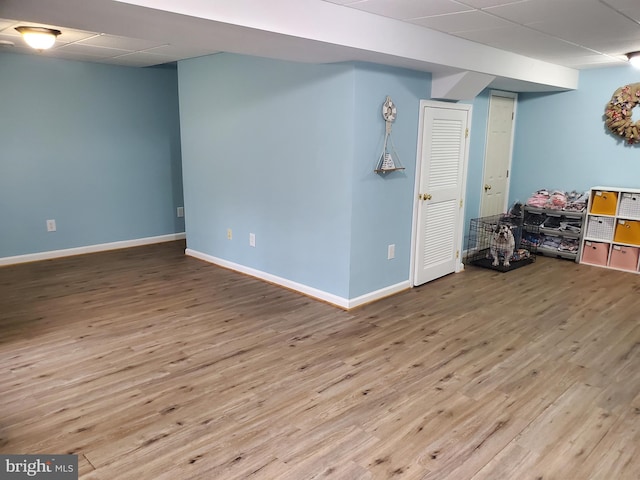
{"x": 444, "y": 143}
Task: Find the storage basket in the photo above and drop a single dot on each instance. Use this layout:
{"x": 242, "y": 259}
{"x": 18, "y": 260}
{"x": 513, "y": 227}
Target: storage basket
{"x": 627, "y": 231}
{"x": 604, "y": 203}
{"x": 595, "y": 253}
{"x": 624, "y": 258}
{"x": 600, "y": 228}
{"x": 629, "y": 205}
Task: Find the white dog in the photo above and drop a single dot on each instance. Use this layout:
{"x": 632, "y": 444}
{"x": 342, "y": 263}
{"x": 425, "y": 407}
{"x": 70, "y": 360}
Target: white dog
{"x": 502, "y": 244}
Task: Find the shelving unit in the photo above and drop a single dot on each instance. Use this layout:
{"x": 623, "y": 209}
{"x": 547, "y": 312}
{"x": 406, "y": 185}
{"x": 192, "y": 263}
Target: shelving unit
{"x": 612, "y": 237}
{"x": 549, "y": 223}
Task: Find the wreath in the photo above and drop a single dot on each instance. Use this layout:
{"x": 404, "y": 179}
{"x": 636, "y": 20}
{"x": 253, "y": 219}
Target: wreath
{"x": 619, "y": 111}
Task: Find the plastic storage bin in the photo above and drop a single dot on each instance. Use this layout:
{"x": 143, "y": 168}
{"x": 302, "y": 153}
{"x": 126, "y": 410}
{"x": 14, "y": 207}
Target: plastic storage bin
{"x": 627, "y": 231}
{"x": 604, "y": 203}
{"x": 600, "y": 228}
{"x": 624, "y": 258}
{"x": 595, "y": 253}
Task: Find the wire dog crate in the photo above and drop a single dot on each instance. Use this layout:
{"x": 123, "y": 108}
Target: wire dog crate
{"x": 482, "y": 246}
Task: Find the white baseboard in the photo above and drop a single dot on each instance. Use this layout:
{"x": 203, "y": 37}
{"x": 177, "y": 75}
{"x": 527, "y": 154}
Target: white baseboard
{"x": 67, "y": 252}
{"x": 299, "y": 287}
{"x": 378, "y": 294}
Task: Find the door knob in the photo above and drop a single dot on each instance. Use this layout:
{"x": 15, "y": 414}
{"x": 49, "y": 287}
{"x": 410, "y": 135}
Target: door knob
{"x": 424, "y": 196}
{"x": 487, "y": 187}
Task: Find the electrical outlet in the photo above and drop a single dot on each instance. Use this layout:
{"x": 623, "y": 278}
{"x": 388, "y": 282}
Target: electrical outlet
{"x": 180, "y": 212}
{"x": 252, "y": 239}
{"x": 391, "y": 251}
{"x": 51, "y": 225}
{"x": 229, "y": 234}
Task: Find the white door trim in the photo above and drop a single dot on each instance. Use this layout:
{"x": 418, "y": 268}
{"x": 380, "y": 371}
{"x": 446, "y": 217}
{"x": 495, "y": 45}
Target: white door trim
{"x": 499, "y": 93}
{"x": 416, "y": 187}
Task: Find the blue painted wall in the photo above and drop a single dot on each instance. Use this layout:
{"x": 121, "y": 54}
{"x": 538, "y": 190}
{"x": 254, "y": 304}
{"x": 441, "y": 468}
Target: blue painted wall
{"x": 287, "y": 151}
{"x": 95, "y": 147}
{"x": 561, "y": 141}
{"x": 383, "y": 204}
{"x": 267, "y": 149}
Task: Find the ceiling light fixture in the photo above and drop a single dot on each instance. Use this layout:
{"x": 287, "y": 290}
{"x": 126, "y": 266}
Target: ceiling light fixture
{"x": 40, "y": 38}
{"x": 634, "y": 59}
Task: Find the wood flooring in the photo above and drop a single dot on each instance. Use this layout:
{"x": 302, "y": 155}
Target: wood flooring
{"x": 149, "y": 364}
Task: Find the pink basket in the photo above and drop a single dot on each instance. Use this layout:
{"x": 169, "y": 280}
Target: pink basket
{"x": 595, "y": 253}
{"x": 624, "y": 258}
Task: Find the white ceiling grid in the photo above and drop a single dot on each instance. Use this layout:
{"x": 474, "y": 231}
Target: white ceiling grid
{"x": 100, "y": 47}
{"x": 420, "y": 34}
{"x": 573, "y": 33}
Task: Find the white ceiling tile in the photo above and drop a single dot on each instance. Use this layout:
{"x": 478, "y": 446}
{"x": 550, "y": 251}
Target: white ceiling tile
{"x": 110, "y": 41}
{"x": 406, "y": 9}
{"x": 487, "y": 3}
{"x": 11, "y": 31}
{"x": 628, "y": 7}
{"x": 77, "y": 56}
{"x": 5, "y": 24}
{"x": 69, "y": 35}
{"x": 82, "y": 49}
{"x": 462, "y": 22}
{"x": 588, "y": 29}
{"x": 618, "y": 46}
{"x": 11, "y": 38}
{"x": 528, "y": 42}
{"x": 181, "y": 52}
{"x": 342, "y": 2}
{"x": 634, "y": 14}
{"x": 621, "y": 4}
{"x": 141, "y": 59}
{"x": 530, "y": 11}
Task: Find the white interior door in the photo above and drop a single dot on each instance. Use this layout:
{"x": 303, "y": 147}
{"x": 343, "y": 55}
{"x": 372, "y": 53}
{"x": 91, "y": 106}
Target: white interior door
{"x": 443, "y": 152}
{"x": 497, "y": 158}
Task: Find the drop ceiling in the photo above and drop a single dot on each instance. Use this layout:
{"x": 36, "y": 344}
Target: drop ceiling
{"x": 573, "y": 33}
{"x": 576, "y": 34}
{"x": 99, "y": 47}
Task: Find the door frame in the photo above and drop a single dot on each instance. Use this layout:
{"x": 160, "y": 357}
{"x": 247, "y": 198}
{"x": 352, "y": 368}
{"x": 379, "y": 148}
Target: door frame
{"x": 416, "y": 188}
{"x": 499, "y": 93}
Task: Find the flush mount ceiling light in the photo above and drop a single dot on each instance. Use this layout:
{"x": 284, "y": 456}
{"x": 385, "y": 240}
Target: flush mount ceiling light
{"x": 40, "y": 38}
{"x": 634, "y": 59}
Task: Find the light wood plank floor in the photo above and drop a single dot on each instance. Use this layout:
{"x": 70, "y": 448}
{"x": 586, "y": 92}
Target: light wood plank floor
{"x": 152, "y": 365}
